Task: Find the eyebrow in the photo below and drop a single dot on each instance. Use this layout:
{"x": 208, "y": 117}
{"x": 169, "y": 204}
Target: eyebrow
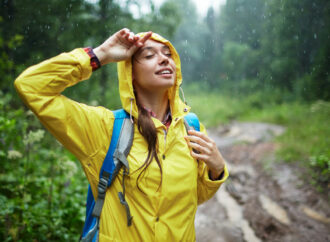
{"x": 152, "y": 48}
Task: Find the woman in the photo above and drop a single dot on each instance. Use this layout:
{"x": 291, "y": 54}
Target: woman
{"x": 167, "y": 179}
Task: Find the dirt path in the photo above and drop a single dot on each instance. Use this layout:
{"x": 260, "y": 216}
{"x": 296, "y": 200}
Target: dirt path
{"x": 263, "y": 200}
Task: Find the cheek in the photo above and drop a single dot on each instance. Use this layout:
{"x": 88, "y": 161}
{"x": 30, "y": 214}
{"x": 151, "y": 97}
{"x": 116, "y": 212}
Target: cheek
{"x": 142, "y": 75}
{"x": 172, "y": 63}
{"x": 137, "y": 72}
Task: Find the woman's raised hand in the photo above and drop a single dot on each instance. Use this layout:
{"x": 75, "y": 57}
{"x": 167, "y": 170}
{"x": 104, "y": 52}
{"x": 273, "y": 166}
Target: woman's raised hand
{"x": 207, "y": 152}
{"x": 120, "y": 46}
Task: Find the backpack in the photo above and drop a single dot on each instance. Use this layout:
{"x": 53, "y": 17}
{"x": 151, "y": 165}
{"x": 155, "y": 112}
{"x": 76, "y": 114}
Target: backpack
{"x": 115, "y": 159}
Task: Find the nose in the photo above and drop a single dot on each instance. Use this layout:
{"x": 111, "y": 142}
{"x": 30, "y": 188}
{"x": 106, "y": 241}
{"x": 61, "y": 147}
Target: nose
{"x": 163, "y": 60}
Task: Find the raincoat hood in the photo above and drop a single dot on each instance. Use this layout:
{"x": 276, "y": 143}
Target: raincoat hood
{"x": 127, "y": 96}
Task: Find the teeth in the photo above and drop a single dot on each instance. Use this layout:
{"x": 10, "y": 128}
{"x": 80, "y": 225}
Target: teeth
{"x": 165, "y": 72}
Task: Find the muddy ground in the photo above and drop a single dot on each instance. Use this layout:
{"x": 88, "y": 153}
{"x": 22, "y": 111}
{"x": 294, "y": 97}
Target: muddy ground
{"x": 264, "y": 199}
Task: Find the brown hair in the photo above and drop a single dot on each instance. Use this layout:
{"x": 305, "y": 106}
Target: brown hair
{"x": 148, "y": 130}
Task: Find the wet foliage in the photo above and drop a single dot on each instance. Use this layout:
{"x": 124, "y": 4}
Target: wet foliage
{"x": 43, "y": 189}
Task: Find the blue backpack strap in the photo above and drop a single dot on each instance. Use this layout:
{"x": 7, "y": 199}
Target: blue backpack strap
{"x": 192, "y": 120}
{"x": 90, "y": 230}
{"x": 108, "y": 163}
{"x": 89, "y": 220}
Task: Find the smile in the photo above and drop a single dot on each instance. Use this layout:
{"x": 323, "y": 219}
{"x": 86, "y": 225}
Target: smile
{"x": 164, "y": 71}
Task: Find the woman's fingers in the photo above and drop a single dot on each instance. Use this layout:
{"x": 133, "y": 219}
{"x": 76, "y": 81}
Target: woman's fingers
{"x": 132, "y": 38}
{"x": 199, "y": 148}
{"x": 140, "y": 41}
{"x": 198, "y": 140}
{"x": 123, "y": 31}
{"x": 146, "y": 37}
{"x": 200, "y": 135}
{"x": 199, "y": 156}
{"x": 120, "y": 46}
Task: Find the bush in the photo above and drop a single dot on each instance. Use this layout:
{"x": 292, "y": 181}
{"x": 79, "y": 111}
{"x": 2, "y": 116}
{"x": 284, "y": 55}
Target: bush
{"x": 42, "y": 193}
{"x": 321, "y": 169}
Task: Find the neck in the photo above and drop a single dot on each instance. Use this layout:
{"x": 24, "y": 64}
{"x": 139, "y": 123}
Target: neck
{"x": 156, "y": 101}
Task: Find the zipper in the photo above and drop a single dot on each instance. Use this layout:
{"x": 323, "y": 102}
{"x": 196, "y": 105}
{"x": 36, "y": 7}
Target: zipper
{"x": 165, "y": 135}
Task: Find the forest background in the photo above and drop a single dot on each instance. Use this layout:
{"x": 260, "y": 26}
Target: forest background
{"x": 248, "y": 60}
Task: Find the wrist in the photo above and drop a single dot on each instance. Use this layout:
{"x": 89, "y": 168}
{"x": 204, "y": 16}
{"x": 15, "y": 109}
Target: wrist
{"x": 215, "y": 174}
{"x": 100, "y": 54}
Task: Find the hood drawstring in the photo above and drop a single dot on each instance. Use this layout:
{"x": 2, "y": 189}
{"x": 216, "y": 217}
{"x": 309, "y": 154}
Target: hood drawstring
{"x": 184, "y": 100}
{"x": 130, "y": 112}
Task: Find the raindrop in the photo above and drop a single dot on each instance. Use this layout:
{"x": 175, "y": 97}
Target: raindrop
{"x": 315, "y": 36}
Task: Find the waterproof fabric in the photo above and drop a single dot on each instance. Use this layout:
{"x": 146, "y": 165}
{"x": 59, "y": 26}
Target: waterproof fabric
{"x": 160, "y": 213}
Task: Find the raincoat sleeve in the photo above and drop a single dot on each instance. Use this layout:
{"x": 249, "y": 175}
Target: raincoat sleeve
{"x": 79, "y": 127}
{"x": 206, "y": 188}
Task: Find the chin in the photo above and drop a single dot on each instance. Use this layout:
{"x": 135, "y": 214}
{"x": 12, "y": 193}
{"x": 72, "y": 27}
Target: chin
{"x": 163, "y": 84}
{"x": 168, "y": 85}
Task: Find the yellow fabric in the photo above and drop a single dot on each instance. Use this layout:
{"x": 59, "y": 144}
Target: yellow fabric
{"x": 164, "y": 213}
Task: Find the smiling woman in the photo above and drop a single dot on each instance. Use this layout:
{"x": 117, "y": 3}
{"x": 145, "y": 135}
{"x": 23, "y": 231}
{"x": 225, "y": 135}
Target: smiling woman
{"x": 170, "y": 172}
{"x": 154, "y": 70}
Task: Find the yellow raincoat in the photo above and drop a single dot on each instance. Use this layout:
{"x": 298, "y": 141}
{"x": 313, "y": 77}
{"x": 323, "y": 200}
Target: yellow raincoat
{"x": 166, "y": 214}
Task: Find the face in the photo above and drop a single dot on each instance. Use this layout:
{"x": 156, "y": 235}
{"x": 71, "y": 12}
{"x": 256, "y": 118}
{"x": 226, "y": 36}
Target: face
{"x": 153, "y": 67}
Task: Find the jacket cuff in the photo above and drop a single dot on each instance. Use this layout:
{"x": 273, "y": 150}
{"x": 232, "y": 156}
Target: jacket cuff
{"x": 215, "y": 183}
{"x": 84, "y": 60}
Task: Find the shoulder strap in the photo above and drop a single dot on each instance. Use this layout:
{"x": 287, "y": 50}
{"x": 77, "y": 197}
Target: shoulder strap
{"x": 120, "y": 145}
{"x": 111, "y": 165}
{"x": 191, "y": 122}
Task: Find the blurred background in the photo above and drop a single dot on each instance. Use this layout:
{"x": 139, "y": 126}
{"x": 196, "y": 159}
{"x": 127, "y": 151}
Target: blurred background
{"x": 242, "y": 61}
